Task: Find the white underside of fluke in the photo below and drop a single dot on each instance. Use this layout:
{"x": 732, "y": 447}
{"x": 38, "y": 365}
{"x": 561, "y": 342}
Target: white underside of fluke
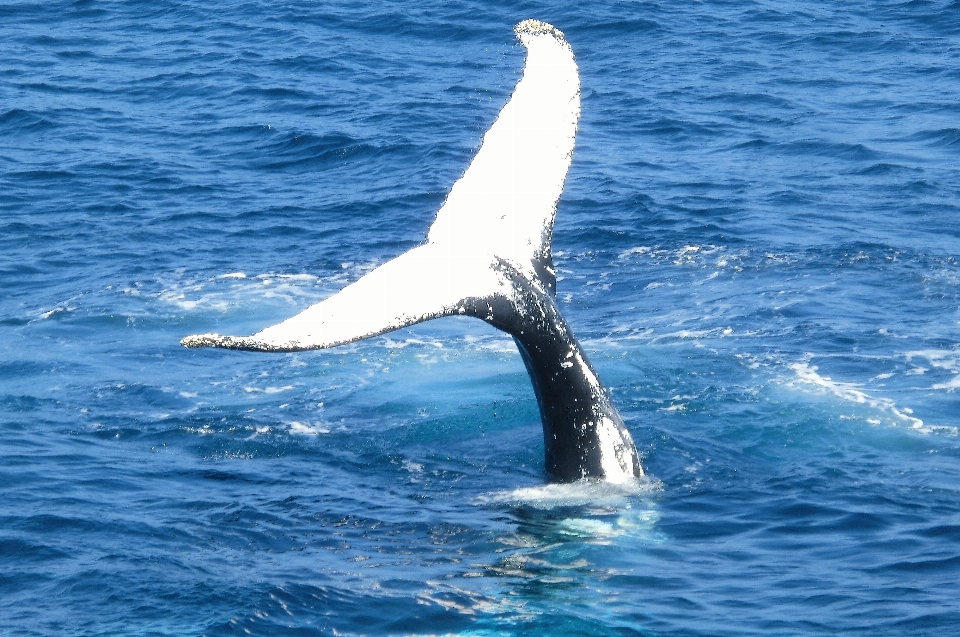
{"x": 502, "y": 208}
{"x": 419, "y": 285}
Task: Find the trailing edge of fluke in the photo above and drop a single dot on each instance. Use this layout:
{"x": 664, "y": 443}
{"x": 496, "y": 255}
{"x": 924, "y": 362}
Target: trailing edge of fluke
{"x": 487, "y": 255}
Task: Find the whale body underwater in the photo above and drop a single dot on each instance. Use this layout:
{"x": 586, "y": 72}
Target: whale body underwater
{"x": 487, "y": 255}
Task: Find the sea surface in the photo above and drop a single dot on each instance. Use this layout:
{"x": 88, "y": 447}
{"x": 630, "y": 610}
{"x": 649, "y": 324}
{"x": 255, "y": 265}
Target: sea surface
{"x": 757, "y": 246}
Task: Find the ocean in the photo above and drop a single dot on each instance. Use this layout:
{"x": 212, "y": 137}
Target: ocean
{"x": 757, "y": 246}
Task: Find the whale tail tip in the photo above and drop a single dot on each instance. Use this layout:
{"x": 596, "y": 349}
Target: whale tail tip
{"x": 537, "y": 27}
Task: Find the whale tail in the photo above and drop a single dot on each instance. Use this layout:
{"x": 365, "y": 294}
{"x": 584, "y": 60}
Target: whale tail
{"x": 502, "y": 208}
{"x": 488, "y": 255}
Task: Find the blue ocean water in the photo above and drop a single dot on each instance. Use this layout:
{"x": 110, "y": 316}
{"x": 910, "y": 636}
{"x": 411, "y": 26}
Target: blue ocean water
{"x": 757, "y": 246}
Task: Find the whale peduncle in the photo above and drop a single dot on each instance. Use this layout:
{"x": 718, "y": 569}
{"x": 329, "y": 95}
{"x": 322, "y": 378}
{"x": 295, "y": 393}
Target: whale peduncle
{"x": 583, "y": 434}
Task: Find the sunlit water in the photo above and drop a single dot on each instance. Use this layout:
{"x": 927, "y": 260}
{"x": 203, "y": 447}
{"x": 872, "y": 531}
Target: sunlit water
{"x": 757, "y": 246}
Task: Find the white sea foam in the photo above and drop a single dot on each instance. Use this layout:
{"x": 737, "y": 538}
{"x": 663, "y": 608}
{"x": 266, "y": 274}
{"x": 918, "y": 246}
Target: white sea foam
{"x": 806, "y": 374}
{"x": 497, "y": 343}
{"x": 697, "y": 255}
{"x": 390, "y": 343}
{"x": 633, "y": 524}
{"x": 945, "y": 359}
{"x": 948, "y": 359}
{"x": 632, "y": 252}
{"x": 950, "y": 385}
{"x": 412, "y": 467}
{"x": 581, "y": 493}
{"x": 49, "y": 313}
{"x": 716, "y": 332}
{"x": 267, "y": 390}
{"x": 222, "y": 292}
{"x": 66, "y": 305}
{"x": 307, "y": 429}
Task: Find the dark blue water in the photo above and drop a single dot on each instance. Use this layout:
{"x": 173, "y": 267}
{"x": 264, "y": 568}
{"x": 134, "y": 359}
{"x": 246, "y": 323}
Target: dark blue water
{"x": 758, "y": 246}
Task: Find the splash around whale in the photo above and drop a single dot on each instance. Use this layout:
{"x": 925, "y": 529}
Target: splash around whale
{"x": 487, "y": 255}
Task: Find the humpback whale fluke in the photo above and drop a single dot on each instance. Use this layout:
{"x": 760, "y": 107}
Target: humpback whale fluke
{"x": 487, "y": 255}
